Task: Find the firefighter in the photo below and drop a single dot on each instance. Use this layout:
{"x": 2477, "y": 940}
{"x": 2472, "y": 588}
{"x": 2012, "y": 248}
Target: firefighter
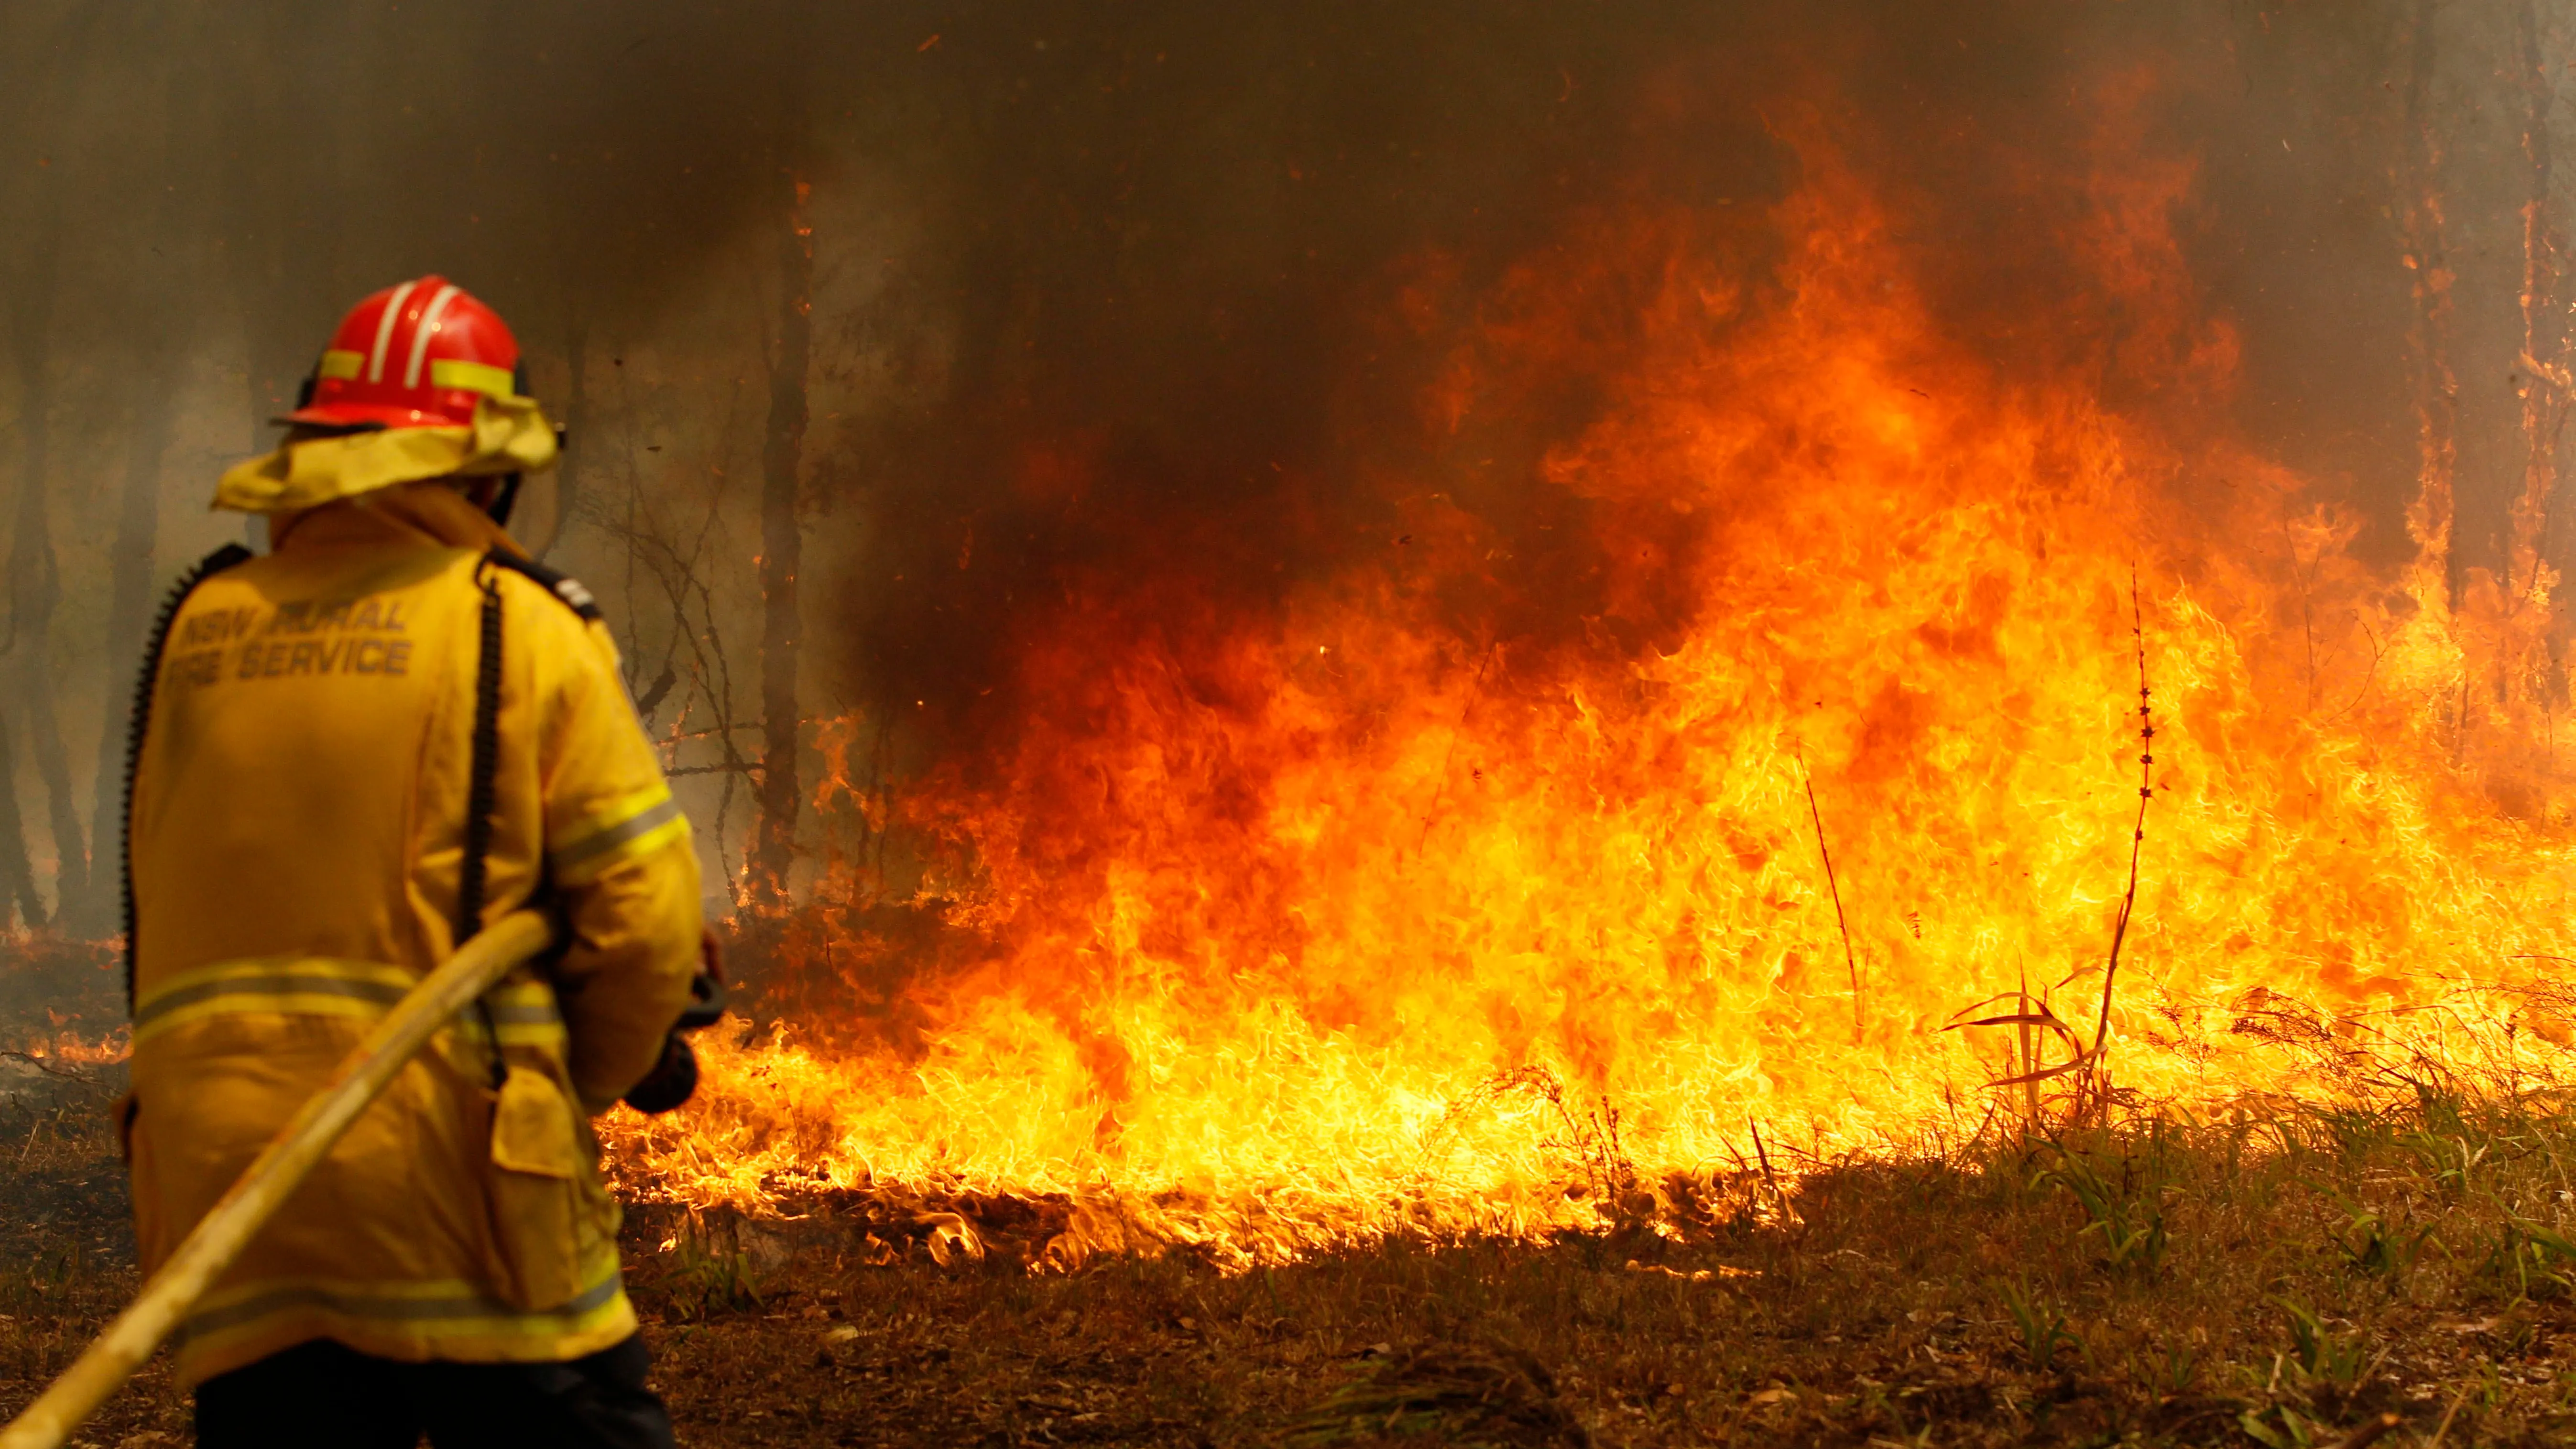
{"x": 350, "y": 754}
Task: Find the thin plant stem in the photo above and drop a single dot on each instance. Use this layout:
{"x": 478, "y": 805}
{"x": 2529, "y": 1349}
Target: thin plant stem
{"x": 2137, "y": 833}
{"x": 1851, "y": 961}
{"x": 2028, "y": 1068}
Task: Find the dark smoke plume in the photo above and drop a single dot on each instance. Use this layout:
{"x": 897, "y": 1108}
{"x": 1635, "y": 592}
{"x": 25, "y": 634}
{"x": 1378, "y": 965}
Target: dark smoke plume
{"x": 1109, "y": 303}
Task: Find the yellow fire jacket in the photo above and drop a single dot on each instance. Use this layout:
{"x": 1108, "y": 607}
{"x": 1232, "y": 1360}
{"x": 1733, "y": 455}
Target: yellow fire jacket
{"x": 297, "y": 834}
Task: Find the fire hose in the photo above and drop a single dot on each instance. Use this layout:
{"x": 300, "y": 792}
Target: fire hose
{"x": 219, "y": 1238}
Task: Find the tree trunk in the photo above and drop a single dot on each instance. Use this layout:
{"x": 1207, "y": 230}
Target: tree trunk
{"x": 129, "y": 617}
{"x": 2544, "y": 402}
{"x": 275, "y": 268}
{"x": 35, "y": 581}
{"x": 781, "y": 545}
{"x": 17, "y": 873}
{"x": 138, "y": 514}
{"x": 2435, "y": 576}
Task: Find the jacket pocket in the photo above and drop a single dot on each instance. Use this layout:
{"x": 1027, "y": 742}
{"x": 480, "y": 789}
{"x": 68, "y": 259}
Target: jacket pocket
{"x": 536, "y": 1189}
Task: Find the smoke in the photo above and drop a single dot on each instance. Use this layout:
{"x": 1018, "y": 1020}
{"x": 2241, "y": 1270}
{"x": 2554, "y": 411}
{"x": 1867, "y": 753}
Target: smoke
{"x": 1190, "y": 320}
{"x": 1136, "y": 309}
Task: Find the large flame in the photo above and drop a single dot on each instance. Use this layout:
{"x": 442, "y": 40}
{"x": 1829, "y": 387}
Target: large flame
{"x": 1376, "y": 914}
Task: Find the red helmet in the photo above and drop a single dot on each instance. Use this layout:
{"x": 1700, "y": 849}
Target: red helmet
{"x": 413, "y": 356}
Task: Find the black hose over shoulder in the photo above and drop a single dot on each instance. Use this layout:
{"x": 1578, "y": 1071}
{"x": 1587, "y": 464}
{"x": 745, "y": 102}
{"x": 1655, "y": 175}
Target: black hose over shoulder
{"x": 140, "y": 722}
{"x": 482, "y": 793}
{"x": 482, "y": 797}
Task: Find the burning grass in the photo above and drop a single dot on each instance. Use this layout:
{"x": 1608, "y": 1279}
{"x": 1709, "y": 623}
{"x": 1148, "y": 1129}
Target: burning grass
{"x": 2280, "y": 1277}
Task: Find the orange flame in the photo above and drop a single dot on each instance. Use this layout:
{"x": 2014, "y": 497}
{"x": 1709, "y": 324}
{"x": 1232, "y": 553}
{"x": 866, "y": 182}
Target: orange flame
{"x": 1350, "y": 920}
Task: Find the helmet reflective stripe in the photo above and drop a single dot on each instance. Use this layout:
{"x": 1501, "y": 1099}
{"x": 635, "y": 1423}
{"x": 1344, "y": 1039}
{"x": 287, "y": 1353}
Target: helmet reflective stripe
{"x": 380, "y": 370}
{"x": 385, "y": 330}
{"x": 421, "y": 334}
{"x": 480, "y": 377}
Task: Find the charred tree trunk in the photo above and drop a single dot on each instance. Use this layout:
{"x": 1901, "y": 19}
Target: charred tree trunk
{"x": 129, "y": 615}
{"x": 2430, "y": 519}
{"x": 2543, "y": 377}
{"x": 781, "y": 545}
{"x": 17, "y": 872}
{"x": 284, "y": 262}
{"x": 35, "y": 581}
{"x": 138, "y": 513}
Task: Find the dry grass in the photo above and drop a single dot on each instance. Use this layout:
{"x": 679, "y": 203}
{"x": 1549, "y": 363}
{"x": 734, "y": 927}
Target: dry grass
{"x": 2278, "y": 1279}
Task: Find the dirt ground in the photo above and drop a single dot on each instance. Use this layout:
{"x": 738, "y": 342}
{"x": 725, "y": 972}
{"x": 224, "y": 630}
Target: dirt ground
{"x": 2294, "y": 1279}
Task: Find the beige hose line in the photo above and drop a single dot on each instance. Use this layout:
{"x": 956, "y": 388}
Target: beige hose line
{"x": 219, "y": 1237}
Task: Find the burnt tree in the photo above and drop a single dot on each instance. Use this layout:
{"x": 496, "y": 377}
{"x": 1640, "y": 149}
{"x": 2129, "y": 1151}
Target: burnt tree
{"x": 2431, "y": 518}
{"x": 781, "y": 544}
{"x": 35, "y": 578}
{"x": 2542, "y": 375}
{"x": 154, "y": 379}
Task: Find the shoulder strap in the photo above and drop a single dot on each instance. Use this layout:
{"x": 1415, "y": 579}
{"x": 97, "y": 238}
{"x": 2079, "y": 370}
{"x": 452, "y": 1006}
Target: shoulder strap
{"x": 482, "y": 797}
{"x": 140, "y": 721}
{"x": 482, "y": 790}
{"x": 562, "y": 585}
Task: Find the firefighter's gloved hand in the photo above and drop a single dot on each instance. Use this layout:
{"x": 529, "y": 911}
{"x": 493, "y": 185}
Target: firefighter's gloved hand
{"x": 671, "y": 1082}
{"x": 675, "y": 1076}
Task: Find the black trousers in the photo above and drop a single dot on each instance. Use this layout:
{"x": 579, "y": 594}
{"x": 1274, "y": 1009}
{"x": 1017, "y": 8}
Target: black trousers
{"x": 323, "y": 1395}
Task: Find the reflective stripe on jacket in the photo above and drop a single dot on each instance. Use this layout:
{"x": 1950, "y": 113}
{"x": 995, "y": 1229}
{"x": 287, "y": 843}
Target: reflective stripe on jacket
{"x": 298, "y": 831}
